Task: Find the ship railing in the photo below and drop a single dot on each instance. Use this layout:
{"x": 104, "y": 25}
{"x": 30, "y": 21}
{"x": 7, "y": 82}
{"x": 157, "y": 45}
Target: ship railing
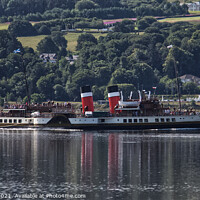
{"x": 42, "y": 115}
{"x": 11, "y": 115}
{"x": 62, "y": 110}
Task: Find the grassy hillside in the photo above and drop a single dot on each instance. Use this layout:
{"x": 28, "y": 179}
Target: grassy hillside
{"x": 70, "y": 37}
{"x": 183, "y": 1}
{"x": 178, "y": 19}
{"x": 4, "y": 26}
{"x": 31, "y": 41}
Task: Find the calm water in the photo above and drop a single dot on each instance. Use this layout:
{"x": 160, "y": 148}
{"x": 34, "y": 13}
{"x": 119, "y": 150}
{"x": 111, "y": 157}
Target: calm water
{"x": 147, "y": 165}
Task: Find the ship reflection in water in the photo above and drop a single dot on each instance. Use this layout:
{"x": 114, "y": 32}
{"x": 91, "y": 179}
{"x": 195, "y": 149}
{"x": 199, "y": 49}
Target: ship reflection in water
{"x": 109, "y": 165}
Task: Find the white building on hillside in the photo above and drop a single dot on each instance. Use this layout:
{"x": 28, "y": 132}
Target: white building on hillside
{"x": 194, "y": 6}
{"x": 190, "y": 78}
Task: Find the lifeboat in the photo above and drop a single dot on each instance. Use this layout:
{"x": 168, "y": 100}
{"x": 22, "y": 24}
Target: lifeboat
{"x": 129, "y": 103}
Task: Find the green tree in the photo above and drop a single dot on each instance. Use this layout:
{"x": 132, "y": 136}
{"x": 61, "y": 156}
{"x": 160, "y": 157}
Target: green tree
{"x": 82, "y": 25}
{"x": 145, "y": 75}
{"x": 126, "y": 26}
{"x": 17, "y": 83}
{"x": 44, "y": 30}
{"x": 58, "y": 39}
{"x": 190, "y": 88}
{"x": 178, "y": 59}
{"x": 79, "y": 78}
{"x": 98, "y": 92}
{"x": 47, "y": 45}
{"x": 120, "y": 76}
{"x": 83, "y": 38}
{"x": 59, "y": 92}
{"x": 8, "y": 43}
{"x": 45, "y": 85}
{"x": 85, "y": 4}
{"x": 127, "y": 89}
{"x": 37, "y": 98}
{"x": 21, "y": 28}
{"x": 145, "y": 22}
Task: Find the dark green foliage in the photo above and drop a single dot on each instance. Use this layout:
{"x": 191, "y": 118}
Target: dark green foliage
{"x": 126, "y": 26}
{"x": 190, "y": 88}
{"x": 59, "y": 93}
{"x": 130, "y": 60}
{"x": 8, "y": 44}
{"x": 58, "y": 39}
{"x": 37, "y": 98}
{"x": 84, "y": 38}
{"x": 145, "y": 22}
{"x": 127, "y": 89}
{"x": 44, "y": 30}
{"x": 21, "y": 28}
{"x": 85, "y": 4}
{"x": 47, "y": 45}
{"x": 35, "y": 10}
{"x": 45, "y": 85}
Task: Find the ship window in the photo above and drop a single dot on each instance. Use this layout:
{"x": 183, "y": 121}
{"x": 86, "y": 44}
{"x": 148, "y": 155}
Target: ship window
{"x": 173, "y": 119}
{"x": 10, "y": 120}
{"x": 145, "y": 120}
{"x": 19, "y": 121}
{"x": 167, "y": 120}
{"x": 125, "y": 120}
{"x": 0, "y": 120}
{"x": 102, "y": 120}
{"x": 5, "y": 120}
{"x": 117, "y": 119}
{"x": 162, "y": 120}
{"x": 130, "y": 120}
{"x": 15, "y": 121}
{"x": 135, "y": 120}
{"x": 140, "y": 120}
{"x": 156, "y": 120}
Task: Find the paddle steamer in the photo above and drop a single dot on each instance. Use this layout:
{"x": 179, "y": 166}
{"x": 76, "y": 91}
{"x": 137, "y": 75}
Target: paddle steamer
{"x": 146, "y": 112}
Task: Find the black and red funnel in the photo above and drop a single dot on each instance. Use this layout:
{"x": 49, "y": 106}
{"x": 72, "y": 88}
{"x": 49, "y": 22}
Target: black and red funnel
{"x": 87, "y": 98}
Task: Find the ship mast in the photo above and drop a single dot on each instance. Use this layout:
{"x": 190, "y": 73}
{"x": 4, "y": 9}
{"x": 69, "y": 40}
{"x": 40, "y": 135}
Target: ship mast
{"x": 177, "y": 85}
{"x": 177, "y": 82}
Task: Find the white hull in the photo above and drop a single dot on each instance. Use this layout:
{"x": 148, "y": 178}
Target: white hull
{"x": 23, "y": 121}
{"x": 135, "y": 122}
